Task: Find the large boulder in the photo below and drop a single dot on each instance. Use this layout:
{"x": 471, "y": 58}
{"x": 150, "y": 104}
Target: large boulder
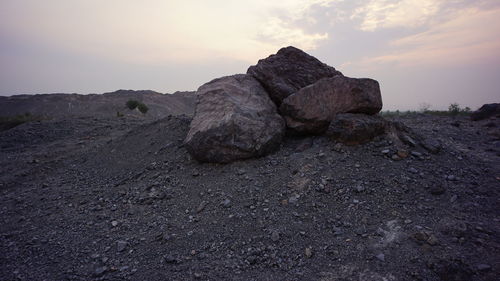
{"x": 486, "y": 111}
{"x": 353, "y": 129}
{"x": 289, "y": 70}
{"x": 234, "y": 119}
{"x": 312, "y": 108}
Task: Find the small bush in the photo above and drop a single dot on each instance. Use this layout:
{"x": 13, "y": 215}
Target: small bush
{"x": 119, "y": 114}
{"x": 142, "y": 108}
{"x": 455, "y": 109}
{"x": 132, "y": 104}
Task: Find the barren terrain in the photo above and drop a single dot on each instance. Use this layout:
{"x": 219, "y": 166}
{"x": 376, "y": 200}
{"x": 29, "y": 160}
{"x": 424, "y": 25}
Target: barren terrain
{"x": 120, "y": 199}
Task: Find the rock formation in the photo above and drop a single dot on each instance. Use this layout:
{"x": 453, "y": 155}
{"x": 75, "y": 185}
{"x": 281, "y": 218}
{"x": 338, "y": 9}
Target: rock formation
{"x": 311, "y": 109}
{"x": 352, "y": 129}
{"x": 288, "y": 71}
{"x": 234, "y": 119}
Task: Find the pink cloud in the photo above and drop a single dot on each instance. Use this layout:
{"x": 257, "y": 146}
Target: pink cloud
{"x": 471, "y": 36}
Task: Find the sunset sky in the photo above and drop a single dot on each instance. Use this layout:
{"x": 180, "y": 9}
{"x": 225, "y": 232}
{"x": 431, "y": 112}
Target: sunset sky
{"x": 421, "y": 51}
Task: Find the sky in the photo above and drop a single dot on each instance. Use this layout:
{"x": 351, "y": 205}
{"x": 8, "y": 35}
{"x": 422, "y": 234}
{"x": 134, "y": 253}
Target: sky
{"x": 422, "y": 52}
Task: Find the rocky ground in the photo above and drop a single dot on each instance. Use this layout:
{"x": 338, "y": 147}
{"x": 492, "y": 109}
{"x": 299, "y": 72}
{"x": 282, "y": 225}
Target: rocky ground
{"x": 121, "y": 199}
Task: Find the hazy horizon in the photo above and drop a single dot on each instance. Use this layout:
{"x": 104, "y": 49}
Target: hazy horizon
{"x": 429, "y": 51}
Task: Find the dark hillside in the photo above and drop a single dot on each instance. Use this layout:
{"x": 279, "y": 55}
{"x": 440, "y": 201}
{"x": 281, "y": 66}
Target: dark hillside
{"x": 105, "y": 105}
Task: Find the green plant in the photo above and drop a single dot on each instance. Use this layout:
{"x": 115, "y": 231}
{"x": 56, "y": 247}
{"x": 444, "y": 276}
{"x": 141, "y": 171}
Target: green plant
{"x": 454, "y": 109}
{"x": 119, "y": 114}
{"x": 132, "y": 104}
{"x": 142, "y": 108}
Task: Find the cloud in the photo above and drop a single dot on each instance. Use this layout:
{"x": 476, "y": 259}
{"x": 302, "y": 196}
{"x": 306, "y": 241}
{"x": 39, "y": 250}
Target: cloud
{"x": 471, "y": 36}
{"x": 279, "y": 33}
{"x": 158, "y": 32}
{"x": 378, "y": 14}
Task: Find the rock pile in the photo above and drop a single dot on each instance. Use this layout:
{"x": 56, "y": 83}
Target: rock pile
{"x": 486, "y": 111}
{"x": 246, "y": 115}
{"x": 289, "y": 70}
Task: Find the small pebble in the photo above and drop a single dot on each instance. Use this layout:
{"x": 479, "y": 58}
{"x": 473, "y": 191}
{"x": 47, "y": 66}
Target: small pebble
{"x": 100, "y": 271}
{"x": 451, "y": 178}
{"x": 121, "y": 245}
{"x": 416, "y": 153}
{"x": 226, "y": 203}
{"x": 395, "y": 157}
{"x": 432, "y": 240}
{"x": 483, "y": 267}
{"x": 359, "y": 189}
{"x": 413, "y": 170}
{"x": 308, "y": 252}
{"x": 380, "y": 257}
{"x": 402, "y": 154}
{"x": 201, "y": 207}
{"x": 123, "y": 268}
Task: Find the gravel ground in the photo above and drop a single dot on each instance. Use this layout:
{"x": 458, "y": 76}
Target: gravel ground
{"x": 121, "y": 199}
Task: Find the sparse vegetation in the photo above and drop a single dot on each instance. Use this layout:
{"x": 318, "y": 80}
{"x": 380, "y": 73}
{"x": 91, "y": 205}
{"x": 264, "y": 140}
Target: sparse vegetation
{"x": 389, "y": 113}
{"x": 453, "y": 110}
{"x": 142, "y": 108}
{"x": 8, "y": 122}
{"x": 132, "y": 104}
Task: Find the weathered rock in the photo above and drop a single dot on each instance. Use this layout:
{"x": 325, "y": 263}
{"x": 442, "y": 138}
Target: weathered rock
{"x": 100, "y": 271}
{"x": 404, "y": 135}
{"x": 312, "y": 108}
{"x": 289, "y": 70}
{"x": 352, "y": 129}
{"x": 234, "y": 119}
{"x": 486, "y": 111}
{"x": 121, "y": 245}
{"x": 308, "y": 252}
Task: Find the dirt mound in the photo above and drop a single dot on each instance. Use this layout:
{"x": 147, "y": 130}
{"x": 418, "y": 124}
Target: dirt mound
{"x": 121, "y": 199}
{"x": 105, "y": 105}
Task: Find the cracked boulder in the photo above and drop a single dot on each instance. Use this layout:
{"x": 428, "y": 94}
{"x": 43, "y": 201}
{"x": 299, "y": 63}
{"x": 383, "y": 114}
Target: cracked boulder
{"x": 234, "y": 119}
{"x": 289, "y": 70}
{"x": 311, "y": 109}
